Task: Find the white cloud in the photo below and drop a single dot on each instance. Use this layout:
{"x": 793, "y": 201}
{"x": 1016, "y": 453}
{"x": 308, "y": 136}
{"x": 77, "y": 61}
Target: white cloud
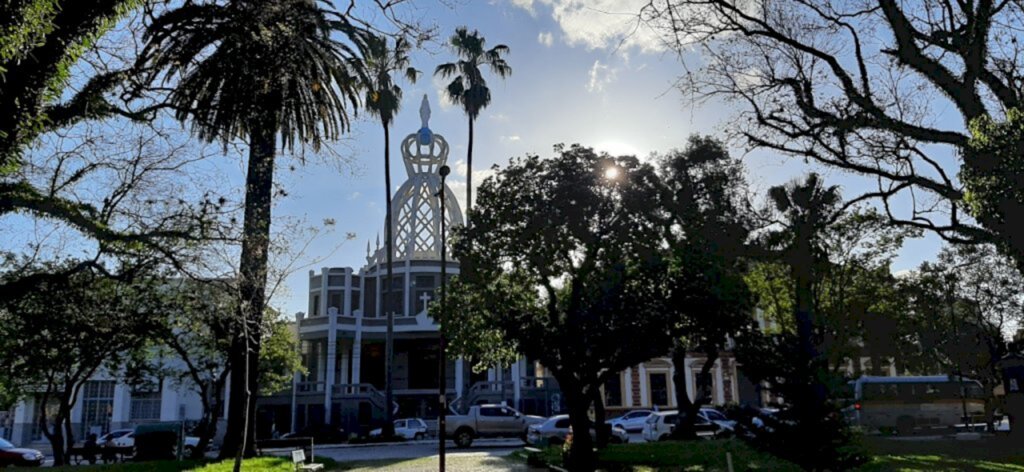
{"x": 600, "y": 24}
{"x": 354, "y": 196}
{"x": 511, "y": 139}
{"x": 600, "y": 76}
{"x": 545, "y": 38}
{"x": 441, "y": 85}
{"x": 525, "y": 5}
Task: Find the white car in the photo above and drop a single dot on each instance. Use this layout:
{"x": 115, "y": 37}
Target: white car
{"x": 659, "y": 426}
{"x": 115, "y": 434}
{"x": 554, "y": 431}
{"x": 411, "y": 428}
{"x": 632, "y": 421}
{"x": 128, "y": 440}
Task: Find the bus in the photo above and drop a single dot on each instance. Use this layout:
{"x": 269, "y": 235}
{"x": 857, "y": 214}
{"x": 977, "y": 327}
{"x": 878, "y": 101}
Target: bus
{"x": 913, "y": 403}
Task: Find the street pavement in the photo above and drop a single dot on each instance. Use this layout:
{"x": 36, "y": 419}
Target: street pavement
{"x": 410, "y": 450}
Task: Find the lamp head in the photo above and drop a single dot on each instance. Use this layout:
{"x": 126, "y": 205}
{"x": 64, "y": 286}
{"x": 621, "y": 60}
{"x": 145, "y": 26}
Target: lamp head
{"x": 444, "y": 171}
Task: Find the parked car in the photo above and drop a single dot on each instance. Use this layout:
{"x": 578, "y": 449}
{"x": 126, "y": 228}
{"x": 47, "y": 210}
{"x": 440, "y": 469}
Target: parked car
{"x": 632, "y": 421}
{"x": 321, "y": 434}
{"x": 660, "y": 425}
{"x": 488, "y": 421}
{"x": 725, "y": 424}
{"x": 10, "y": 455}
{"x": 127, "y": 439}
{"x": 555, "y": 429}
{"x": 117, "y": 433}
{"x": 410, "y": 428}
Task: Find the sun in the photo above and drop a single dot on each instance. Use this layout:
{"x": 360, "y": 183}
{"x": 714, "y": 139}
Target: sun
{"x": 611, "y": 173}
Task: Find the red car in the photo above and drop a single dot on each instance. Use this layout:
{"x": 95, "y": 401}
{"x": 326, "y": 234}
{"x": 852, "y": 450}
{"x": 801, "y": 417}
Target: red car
{"x": 16, "y": 456}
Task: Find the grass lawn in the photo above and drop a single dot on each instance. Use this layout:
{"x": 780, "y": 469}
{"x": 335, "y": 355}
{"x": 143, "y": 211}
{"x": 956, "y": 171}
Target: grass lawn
{"x": 695, "y": 456}
{"x": 990, "y": 455}
{"x": 998, "y": 454}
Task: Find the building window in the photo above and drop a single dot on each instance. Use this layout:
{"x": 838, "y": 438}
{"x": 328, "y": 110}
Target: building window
{"x": 613, "y": 391}
{"x": 97, "y": 406}
{"x": 659, "y": 389}
{"x": 335, "y": 300}
{"x": 355, "y": 300}
{"x": 315, "y": 308}
{"x": 704, "y": 385}
{"x": 145, "y": 406}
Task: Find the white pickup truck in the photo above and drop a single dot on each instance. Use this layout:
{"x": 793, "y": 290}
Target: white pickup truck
{"x": 488, "y": 421}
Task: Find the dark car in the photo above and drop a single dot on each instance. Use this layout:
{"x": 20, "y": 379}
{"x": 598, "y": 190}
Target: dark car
{"x": 16, "y": 456}
{"x": 321, "y": 434}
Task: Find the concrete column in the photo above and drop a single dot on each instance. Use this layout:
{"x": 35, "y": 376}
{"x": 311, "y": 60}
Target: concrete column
{"x": 691, "y": 391}
{"x": 628, "y": 385}
{"x": 407, "y": 290}
{"x": 23, "y": 421}
{"x": 227, "y": 394}
{"x": 122, "y": 407}
{"x": 516, "y": 382}
{"x": 719, "y": 384}
{"x": 332, "y": 340}
{"x": 168, "y": 402}
{"x": 672, "y": 386}
{"x": 460, "y": 380}
{"x": 644, "y": 399}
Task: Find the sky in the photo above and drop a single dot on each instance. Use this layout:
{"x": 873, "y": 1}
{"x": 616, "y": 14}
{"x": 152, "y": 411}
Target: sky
{"x": 585, "y": 75}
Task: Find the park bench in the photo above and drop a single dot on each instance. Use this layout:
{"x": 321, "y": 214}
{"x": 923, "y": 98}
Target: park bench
{"x": 299, "y": 460}
{"x": 79, "y": 454}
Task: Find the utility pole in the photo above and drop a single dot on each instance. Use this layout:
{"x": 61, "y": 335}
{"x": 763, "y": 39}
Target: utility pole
{"x": 441, "y": 360}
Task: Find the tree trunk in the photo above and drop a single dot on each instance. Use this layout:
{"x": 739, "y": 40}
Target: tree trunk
{"x": 602, "y": 434}
{"x": 686, "y": 425}
{"x": 240, "y": 435}
{"x": 469, "y": 171}
{"x": 389, "y": 339}
{"x": 577, "y": 401}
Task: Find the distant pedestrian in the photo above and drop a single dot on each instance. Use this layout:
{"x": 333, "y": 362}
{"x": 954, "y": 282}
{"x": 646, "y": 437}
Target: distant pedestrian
{"x": 109, "y": 451}
{"x": 89, "y": 448}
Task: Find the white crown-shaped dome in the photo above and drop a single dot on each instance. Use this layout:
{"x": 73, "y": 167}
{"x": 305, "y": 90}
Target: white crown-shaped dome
{"x": 416, "y": 224}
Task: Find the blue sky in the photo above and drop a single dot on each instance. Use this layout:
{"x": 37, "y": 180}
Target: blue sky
{"x": 580, "y": 74}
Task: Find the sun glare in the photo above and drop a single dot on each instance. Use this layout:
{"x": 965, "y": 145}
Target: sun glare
{"x": 611, "y": 173}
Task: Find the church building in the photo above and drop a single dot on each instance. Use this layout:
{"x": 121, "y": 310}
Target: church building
{"x": 342, "y": 334}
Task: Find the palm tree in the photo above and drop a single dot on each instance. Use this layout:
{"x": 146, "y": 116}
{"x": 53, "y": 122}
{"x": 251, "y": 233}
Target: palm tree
{"x": 255, "y": 70}
{"x": 807, "y": 208}
{"x": 383, "y": 99}
{"x": 468, "y": 88}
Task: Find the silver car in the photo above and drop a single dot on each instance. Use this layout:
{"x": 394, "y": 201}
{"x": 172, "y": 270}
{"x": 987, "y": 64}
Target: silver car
{"x": 554, "y": 431}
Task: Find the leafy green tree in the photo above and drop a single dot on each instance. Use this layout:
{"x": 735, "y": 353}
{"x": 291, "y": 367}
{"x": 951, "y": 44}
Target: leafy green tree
{"x": 279, "y": 358}
{"x": 707, "y": 227}
{"x": 961, "y": 308}
{"x": 40, "y": 42}
{"x": 794, "y": 362}
{"x": 569, "y": 265}
{"x": 256, "y": 70}
{"x": 468, "y": 88}
{"x": 53, "y": 340}
{"x": 383, "y": 99}
{"x": 45, "y": 89}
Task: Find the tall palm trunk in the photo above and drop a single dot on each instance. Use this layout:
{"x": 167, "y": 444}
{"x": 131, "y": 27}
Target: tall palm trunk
{"x": 389, "y": 340}
{"x": 240, "y": 436}
{"x": 469, "y": 171}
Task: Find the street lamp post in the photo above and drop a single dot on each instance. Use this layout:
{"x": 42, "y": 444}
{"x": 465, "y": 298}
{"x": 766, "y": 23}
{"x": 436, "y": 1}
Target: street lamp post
{"x": 442, "y": 361}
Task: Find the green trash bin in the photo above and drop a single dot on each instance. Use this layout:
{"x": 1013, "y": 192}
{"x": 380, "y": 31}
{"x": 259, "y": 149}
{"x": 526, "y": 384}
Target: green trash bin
{"x": 158, "y": 441}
